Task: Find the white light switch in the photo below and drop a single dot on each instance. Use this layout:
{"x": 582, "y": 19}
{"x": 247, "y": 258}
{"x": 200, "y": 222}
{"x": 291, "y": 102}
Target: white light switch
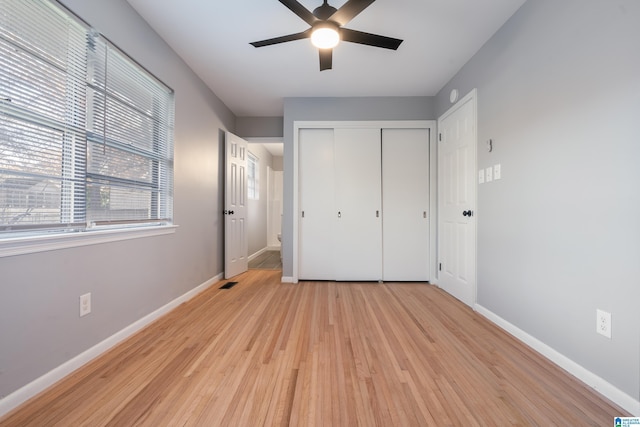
{"x": 481, "y": 176}
{"x": 497, "y": 173}
{"x": 489, "y": 174}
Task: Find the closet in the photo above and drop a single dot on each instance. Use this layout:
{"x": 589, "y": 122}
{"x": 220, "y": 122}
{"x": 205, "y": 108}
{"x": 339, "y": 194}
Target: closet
{"x": 363, "y": 204}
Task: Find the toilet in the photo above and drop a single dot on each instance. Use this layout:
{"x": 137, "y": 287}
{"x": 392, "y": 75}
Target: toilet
{"x": 280, "y": 240}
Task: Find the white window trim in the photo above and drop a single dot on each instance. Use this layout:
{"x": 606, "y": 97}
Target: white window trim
{"x": 41, "y": 243}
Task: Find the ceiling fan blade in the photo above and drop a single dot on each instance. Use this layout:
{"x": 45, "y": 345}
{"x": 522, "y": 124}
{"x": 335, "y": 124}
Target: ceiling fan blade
{"x": 282, "y": 39}
{"x": 326, "y": 59}
{"x": 354, "y": 36}
{"x": 300, "y": 10}
{"x": 350, "y": 10}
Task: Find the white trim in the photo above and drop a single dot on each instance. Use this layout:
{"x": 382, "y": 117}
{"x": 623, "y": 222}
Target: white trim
{"x": 257, "y": 254}
{"x": 32, "y": 244}
{"x": 288, "y": 279}
{"x": 382, "y": 124}
{"x": 600, "y": 385}
{"x": 38, "y": 385}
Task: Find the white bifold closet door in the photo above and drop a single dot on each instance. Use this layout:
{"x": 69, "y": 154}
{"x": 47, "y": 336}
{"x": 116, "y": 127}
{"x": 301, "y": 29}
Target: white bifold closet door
{"x": 405, "y": 204}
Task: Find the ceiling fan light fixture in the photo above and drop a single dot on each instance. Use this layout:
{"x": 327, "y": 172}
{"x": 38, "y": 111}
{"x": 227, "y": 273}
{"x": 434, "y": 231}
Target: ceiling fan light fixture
{"x": 325, "y": 36}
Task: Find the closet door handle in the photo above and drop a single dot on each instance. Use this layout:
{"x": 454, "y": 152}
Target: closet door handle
{"x": 377, "y": 214}
{"x": 339, "y": 214}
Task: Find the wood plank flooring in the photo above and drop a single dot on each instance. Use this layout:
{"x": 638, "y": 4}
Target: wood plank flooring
{"x": 268, "y": 260}
{"x": 264, "y": 353}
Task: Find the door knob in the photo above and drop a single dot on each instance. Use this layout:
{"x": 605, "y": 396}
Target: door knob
{"x": 226, "y": 212}
{"x": 468, "y": 213}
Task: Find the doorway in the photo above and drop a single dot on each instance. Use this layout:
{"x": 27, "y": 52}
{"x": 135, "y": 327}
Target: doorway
{"x": 265, "y": 203}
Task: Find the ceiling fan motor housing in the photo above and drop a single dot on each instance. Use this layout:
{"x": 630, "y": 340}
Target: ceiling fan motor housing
{"x": 324, "y": 12}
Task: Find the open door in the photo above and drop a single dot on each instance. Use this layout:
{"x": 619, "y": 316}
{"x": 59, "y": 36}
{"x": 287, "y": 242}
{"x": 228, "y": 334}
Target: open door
{"x": 235, "y": 207}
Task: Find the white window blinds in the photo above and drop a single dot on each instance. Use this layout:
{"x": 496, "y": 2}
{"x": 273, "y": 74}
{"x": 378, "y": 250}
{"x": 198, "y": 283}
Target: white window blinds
{"x": 253, "y": 174}
{"x": 86, "y": 135}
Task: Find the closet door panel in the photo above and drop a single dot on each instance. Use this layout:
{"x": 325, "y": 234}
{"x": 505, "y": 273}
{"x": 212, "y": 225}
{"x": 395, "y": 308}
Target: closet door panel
{"x": 405, "y": 189}
{"x": 358, "y": 237}
{"x": 317, "y": 205}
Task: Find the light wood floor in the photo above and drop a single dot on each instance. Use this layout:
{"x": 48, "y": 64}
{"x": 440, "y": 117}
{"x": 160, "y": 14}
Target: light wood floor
{"x": 268, "y": 260}
{"x": 318, "y": 354}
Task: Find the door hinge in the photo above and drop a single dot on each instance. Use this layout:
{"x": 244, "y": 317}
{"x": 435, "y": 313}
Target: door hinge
{"x": 302, "y": 214}
{"x": 440, "y": 267}
{"x": 439, "y": 137}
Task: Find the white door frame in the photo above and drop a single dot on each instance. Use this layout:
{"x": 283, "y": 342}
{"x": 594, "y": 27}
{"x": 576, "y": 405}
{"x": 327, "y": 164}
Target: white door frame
{"x": 394, "y": 124}
{"x": 473, "y": 98}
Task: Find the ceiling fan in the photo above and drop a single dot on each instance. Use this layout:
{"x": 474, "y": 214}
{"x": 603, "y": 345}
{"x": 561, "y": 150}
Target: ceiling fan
{"x": 327, "y": 29}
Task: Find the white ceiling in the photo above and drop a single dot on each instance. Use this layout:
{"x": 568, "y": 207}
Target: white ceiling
{"x": 213, "y": 36}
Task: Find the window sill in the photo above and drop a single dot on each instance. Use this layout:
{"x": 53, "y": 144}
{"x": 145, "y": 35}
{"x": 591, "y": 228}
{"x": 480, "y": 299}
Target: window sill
{"x": 33, "y": 244}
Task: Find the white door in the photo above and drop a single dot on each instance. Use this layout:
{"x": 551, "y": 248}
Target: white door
{"x": 235, "y": 206}
{"x": 358, "y": 236}
{"x": 317, "y": 214}
{"x": 405, "y": 204}
{"x": 457, "y": 200}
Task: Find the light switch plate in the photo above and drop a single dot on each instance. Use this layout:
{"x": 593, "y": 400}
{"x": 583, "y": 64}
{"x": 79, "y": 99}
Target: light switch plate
{"x": 481, "y": 176}
{"x": 497, "y": 172}
{"x": 488, "y": 175}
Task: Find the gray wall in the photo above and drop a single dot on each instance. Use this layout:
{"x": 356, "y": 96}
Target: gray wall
{"x": 559, "y": 94}
{"x": 345, "y": 109}
{"x": 257, "y": 209}
{"x": 39, "y": 324}
{"x": 277, "y": 163}
{"x": 259, "y": 127}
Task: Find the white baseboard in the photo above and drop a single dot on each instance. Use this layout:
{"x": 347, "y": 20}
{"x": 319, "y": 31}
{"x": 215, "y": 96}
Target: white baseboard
{"x": 263, "y": 250}
{"x": 38, "y": 385}
{"x": 257, "y": 254}
{"x": 287, "y": 279}
{"x": 600, "y": 385}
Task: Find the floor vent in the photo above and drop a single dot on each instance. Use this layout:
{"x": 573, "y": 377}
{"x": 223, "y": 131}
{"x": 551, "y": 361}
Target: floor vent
{"x": 228, "y": 285}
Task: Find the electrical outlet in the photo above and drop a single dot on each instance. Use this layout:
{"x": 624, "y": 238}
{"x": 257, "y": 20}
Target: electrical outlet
{"x": 85, "y": 304}
{"x": 603, "y": 323}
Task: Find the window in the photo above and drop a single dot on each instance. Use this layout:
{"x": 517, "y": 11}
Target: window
{"x": 86, "y": 134}
{"x": 253, "y": 177}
